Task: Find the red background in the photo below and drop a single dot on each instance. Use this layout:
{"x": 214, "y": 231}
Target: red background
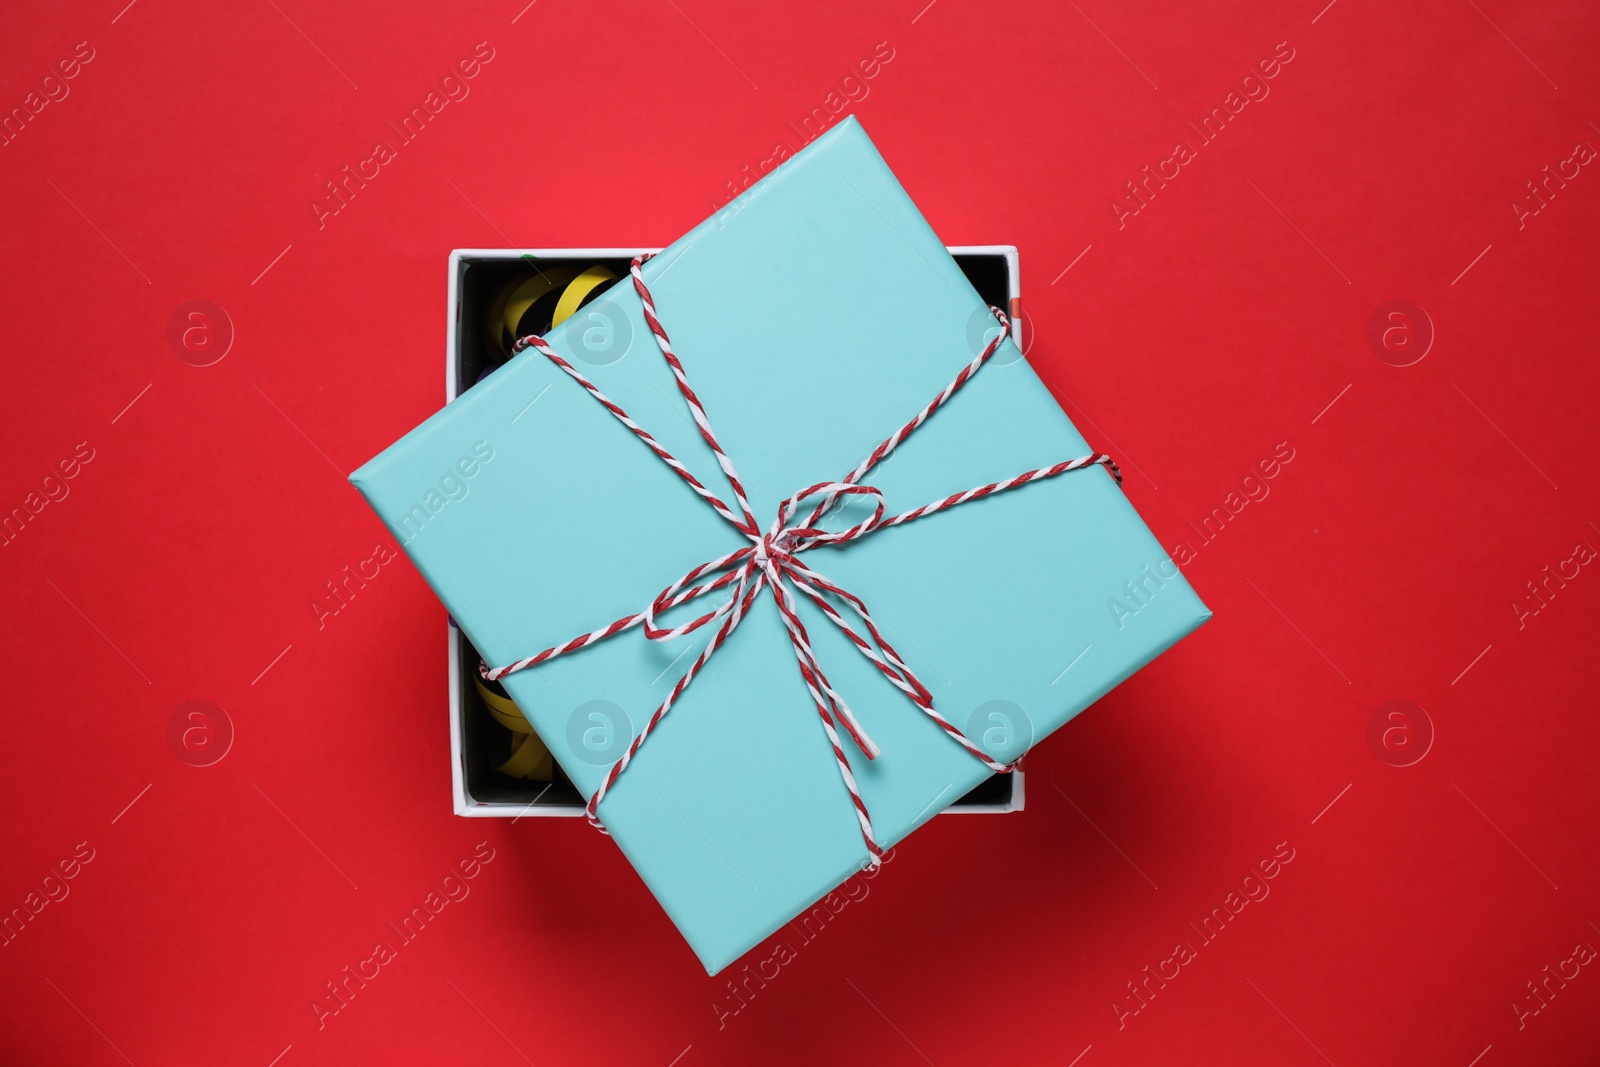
{"x": 1224, "y": 318}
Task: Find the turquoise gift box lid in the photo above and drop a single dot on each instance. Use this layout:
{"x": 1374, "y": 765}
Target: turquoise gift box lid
{"x": 814, "y": 316}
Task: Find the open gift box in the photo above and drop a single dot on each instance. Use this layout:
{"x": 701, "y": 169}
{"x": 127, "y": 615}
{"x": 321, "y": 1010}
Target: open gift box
{"x": 479, "y": 744}
{"x": 818, "y": 313}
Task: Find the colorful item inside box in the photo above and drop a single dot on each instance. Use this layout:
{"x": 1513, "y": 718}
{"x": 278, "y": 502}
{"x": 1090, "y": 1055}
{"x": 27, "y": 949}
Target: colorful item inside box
{"x": 534, "y": 304}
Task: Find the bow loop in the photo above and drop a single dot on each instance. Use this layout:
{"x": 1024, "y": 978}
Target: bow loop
{"x": 809, "y": 535}
{"x": 675, "y": 594}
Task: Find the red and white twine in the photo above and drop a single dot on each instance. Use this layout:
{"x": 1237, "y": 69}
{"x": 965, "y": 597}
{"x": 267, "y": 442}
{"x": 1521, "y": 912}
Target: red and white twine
{"x": 771, "y": 561}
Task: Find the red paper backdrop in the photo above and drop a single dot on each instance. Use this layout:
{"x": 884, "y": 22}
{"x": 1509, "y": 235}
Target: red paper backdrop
{"x": 1227, "y": 315}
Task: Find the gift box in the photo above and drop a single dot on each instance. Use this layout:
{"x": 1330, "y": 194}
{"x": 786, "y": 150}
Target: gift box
{"x": 909, "y": 564}
{"x": 479, "y": 280}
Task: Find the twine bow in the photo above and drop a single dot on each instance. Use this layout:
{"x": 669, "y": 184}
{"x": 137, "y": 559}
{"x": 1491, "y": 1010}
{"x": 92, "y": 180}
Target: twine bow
{"x": 772, "y": 561}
